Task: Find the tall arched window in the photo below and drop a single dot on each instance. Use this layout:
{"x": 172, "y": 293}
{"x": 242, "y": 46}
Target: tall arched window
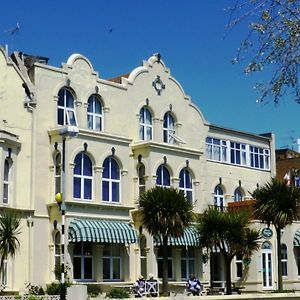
{"x": 141, "y": 173}
{"x": 56, "y": 254}
{"x": 238, "y": 196}
{"x": 83, "y": 177}
{"x": 284, "y": 259}
{"x": 169, "y": 128}
{"x": 143, "y": 255}
{"x": 185, "y": 184}
{"x": 163, "y": 177}
{"x": 6, "y": 179}
{"x": 145, "y": 124}
{"x": 94, "y": 113}
{"x": 111, "y": 180}
{"x": 65, "y": 108}
{"x": 58, "y": 173}
{"x": 218, "y": 197}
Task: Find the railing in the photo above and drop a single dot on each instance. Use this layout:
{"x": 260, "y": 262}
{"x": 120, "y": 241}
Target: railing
{"x": 245, "y": 205}
{"x": 25, "y": 297}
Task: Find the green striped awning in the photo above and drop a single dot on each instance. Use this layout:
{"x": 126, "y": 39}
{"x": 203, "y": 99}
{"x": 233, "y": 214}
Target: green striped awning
{"x": 102, "y": 231}
{"x": 297, "y": 238}
{"x": 190, "y": 238}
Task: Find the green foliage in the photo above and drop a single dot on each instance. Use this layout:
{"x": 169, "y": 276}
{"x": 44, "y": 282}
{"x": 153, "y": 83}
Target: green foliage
{"x": 9, "y": 231}
{"x": 165, "y": 213}
{"x": 33, "y": 297}
{"x": 53, "y": 288}
{"x": 230, "y": 232}
{"x": 94, "y": 290}
{"x": 117, "y": 294}
{"x": 35, "y": 290}
{"x": 272, "y": 44}
{"x": 57, "y": 272}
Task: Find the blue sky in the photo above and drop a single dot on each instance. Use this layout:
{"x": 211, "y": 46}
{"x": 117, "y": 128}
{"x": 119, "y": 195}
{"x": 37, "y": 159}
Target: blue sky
{"x": 191, "y": 36}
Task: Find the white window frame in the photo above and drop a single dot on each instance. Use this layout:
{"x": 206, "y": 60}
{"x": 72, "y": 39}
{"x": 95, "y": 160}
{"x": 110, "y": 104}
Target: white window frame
{"x": 82, "y": 178}
{"x": 216, "y": 149}
{"x": 238, "y": 151}
{"x": 238, "y": 263}
{"x": 111, "y": 258}
{"x": 263, "y": 158}
{"x": 141, "y": 178}
{"x": 57, "y": 249}
{"x": 237, "y": 193}
{"x": 284, "y": 258}
{"x": 57, "y": 172}
{"x": 186, "y": 189}
{"x": 110, "y": 183}
{"x": 163, "y": 167}
{"x": 68, "y": 112}
{"x": 95, "y": 115}
{"x": 146, "y": 129}
{"x": 82, "y": 257}
{"x": 219, "y": 198}
{"x": 169, "y": 130}
{"x": 6, "y": 181}
{"x": 186, "y": 260}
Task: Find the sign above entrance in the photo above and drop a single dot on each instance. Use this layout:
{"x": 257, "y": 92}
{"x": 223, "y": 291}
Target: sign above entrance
{"x": 267, "y": 233}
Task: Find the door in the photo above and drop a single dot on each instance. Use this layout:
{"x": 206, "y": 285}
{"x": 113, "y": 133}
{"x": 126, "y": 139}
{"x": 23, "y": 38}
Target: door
{"x": 267, "y": 270}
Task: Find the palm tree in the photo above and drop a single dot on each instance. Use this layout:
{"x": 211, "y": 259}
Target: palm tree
{"x": 165, "y": 213}
{"x": 9, "y": 231}
{"x": 277, "y": 204}
{"x": 228, "y": 231}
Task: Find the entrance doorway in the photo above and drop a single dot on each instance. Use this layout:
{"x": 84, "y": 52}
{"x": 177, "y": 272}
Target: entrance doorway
{"x": 267, "y": 270}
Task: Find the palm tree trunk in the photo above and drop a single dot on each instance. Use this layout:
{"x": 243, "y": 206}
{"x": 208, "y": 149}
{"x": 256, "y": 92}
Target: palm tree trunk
{"x": 279, "y": 265}
{"x": 228, "y": 274}
{"x": 165, "y": 266}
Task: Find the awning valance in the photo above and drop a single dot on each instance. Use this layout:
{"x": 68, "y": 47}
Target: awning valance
{"x": 190, "y": 238}
{"x": 102, "y": 231}
{"x": 297, "y": 238}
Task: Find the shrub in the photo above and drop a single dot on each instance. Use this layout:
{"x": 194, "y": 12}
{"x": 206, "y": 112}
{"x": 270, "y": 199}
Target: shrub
{"x": 94, "y": 290}
{"x": 33, "y": 297}
{"x": 35, "y": 290}
{"x": 117, "y": 293}
{"x": 53, "y": 288}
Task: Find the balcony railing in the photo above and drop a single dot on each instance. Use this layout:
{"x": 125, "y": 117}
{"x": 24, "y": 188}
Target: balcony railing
{"x": 245, "y": 205}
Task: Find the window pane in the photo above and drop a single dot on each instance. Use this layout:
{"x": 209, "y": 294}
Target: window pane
{"x": 115, "y": 191}
{"x": 60, "y": 116}
{"x": 105, "y": 191}
{"x": 77, "y": 249}
{"x": 158, "y": 176}
{"x": 106, "y": 168}
{"x": 77, "y": 168}
{"x": 69, "y": 99}
{"x": 87, "y": 188}
{"x": 77, "y": 267}
{"x": 98, "y": 123}
{"x": 116, "y": 268}
{"x": 106, "y": 268}
{"x": 88, "y": 268}
{"x": 114, "y": 169}
{"x": 87, "y": 166}
{"x": 71, "y": 118}
{"x": 90, "y": 121}
{"x": 77, "y": 187}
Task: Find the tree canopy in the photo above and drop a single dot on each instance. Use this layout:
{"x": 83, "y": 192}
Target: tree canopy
{"x": 277, "y": 204}
{"x": 272, "y": 45}
{"x": 166, "y": 213}
{"x": 230, "y": 232}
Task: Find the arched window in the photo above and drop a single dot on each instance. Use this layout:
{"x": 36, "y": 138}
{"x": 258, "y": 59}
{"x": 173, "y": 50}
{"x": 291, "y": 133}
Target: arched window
{"x": 83, "y": 177}
{"x": 57, "y": 255}
{"x": 6, "y": 180}
{"x": 284, "y": 258}
{"x": 143, "y": 255}
{"x": 185, "y": 184}
{"x": 169, "y": 128}
{"x": 267, "y": 270}
{"x": 238, "y": 196}
{"x": 145, "y": 124}
{"x": 94, "y": 113}
{"x": 110, "y": 180}
{"x": 58, "y": 173}
{"x": 163, "y": 177}
{"x": 218, "y": 197}
{"x": 65, "y": 108}
{"x": 141, "y": 171}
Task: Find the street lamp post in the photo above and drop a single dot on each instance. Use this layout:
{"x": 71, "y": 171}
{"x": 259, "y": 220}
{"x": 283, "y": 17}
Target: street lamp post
{"x": 65, "y": 132}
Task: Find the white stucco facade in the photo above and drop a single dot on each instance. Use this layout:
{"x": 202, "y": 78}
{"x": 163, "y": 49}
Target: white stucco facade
{"x": 135, "y": 132}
